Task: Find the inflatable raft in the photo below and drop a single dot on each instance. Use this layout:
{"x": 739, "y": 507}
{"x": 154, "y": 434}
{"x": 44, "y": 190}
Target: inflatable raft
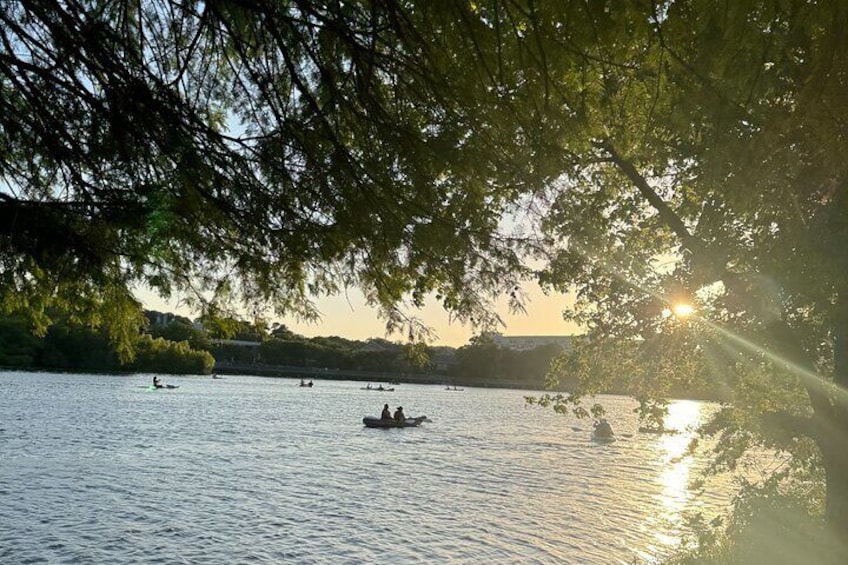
{"x": 374, "y": 422}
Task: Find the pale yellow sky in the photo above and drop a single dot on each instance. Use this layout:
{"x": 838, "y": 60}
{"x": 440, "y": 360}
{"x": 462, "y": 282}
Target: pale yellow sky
{"x": 349, "y": 317}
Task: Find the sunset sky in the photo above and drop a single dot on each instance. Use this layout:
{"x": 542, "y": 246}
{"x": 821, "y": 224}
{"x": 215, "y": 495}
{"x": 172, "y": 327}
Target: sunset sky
{"x": 349, "y": 317}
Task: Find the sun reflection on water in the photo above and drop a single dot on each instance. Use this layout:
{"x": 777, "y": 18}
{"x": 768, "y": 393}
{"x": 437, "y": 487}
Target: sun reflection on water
{"x": 676, "y": 465}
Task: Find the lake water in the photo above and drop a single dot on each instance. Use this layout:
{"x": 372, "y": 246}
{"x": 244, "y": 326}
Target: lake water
{"x": 98, "y": 469}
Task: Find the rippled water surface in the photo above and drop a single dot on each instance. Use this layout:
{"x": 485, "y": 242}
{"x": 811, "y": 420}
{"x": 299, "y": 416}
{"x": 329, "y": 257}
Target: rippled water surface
{"x": 98, "y": 469}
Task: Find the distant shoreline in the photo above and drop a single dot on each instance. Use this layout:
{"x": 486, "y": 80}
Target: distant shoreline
{"x": 322, "y": 374}
{"x": 291, "y": 371}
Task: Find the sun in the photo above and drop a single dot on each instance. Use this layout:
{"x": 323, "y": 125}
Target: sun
{"x": 682, "y": 309}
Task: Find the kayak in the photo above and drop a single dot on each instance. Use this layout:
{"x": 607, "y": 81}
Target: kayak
{"x": 378, "y": 389}
{"x": 600, "y": 438}
{"x": 374, "y": 422}
{"x": 151, "y": 387}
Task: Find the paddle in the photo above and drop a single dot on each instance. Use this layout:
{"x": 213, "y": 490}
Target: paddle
{"x": 576, "y": 429}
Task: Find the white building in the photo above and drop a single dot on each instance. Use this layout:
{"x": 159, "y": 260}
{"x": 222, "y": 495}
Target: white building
{"x": 236, "y": 342}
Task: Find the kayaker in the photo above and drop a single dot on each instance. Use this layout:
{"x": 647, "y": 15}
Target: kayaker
{"x": 603, "y": 429}
{"x": 156, "y": 383}
{"x": 399, "y": 417}
{"x": 387, "y": 414}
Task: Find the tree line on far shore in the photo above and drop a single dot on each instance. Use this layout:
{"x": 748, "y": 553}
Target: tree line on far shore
{"x": 172, "y": 344}
{"x": 68, "y": 346}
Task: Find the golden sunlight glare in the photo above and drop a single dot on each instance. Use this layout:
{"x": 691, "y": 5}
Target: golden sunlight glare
{"x": 682, "y": 310}
{"x": 684, "y": 417}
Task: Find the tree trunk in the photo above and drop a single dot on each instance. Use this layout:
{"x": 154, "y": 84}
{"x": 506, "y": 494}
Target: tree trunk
{"x": 833, "y": 547}
{"x": 830, "y": 420}
{"x": 834, "y": 448}
{"x": 833, "y": 428}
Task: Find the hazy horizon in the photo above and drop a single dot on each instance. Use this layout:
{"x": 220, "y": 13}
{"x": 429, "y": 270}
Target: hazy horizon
{"x": 350, "y": 317}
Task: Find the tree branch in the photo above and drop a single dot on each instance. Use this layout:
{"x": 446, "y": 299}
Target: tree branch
{"x": 689, "y": 242}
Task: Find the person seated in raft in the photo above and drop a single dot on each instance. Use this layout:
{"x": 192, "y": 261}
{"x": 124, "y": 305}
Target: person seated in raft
{"x": 399, "y": 417}
{"x": 387, "y": 414}
{"x": 380, "y": 387}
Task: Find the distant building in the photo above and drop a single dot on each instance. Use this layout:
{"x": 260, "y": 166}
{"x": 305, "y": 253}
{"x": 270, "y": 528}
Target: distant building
{"x": 236, "y": 342}
{"x": 442, "y": 358}
{"x": 529, "y": 342}
{"x": 162, "y": 318}
{"x": 378, "y": 346}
